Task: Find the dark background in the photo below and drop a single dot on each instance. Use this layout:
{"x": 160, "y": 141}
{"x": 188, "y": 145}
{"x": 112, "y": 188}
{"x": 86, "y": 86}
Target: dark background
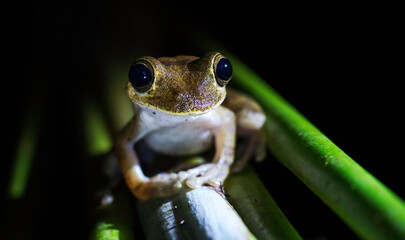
{"x": 337, "y": 63}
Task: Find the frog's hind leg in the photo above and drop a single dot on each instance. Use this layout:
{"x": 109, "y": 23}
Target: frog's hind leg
{"x": 250, "y": 120}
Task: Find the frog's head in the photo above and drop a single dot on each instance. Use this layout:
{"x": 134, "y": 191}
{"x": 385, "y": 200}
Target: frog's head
{"x": 181, "y": 85}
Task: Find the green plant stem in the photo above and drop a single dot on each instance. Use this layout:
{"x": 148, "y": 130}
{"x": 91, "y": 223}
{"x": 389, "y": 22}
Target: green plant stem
{"x": 114, "y": 221}
{"x": 26, "y": 149}
{"x": 104, "y": 232}
{"x": 98, "y": 136}
{"x": 197, "y": 214}
{"x": 259, "y": 211}
{"x": 365, "y": 204}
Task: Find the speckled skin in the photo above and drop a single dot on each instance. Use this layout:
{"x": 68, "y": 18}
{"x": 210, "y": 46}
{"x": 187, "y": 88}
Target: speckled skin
{"x": 181, "y": 113}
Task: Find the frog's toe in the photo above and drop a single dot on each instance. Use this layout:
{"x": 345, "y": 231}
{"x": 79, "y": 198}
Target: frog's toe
{"x": 165, "y": 184}
{"x": 196, "y": 177}
{"x": 161, "y": 185}
{"x": 211, "y": 174}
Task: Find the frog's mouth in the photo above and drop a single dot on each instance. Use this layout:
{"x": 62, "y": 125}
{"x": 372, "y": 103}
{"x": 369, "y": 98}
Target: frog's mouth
{"x": 183, "y": 106}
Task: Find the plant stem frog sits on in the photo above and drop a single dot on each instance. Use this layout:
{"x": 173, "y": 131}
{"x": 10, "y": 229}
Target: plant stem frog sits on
{"x": 182, "y": 108}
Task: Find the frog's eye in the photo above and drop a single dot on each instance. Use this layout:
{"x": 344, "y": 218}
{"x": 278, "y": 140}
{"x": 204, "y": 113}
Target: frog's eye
{"x": 141, "y": 76}
{"x": 223, "y": 70}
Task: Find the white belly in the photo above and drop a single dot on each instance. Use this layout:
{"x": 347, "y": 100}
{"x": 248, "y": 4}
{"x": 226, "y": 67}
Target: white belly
{"x": 180, "y": 140}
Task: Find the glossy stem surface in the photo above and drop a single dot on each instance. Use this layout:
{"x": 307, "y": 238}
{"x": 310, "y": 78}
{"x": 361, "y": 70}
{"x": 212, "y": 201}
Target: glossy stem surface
{"x": 369, "y": 208}
{"x": 196, "y": 214}
{"x": 255, "y": 205}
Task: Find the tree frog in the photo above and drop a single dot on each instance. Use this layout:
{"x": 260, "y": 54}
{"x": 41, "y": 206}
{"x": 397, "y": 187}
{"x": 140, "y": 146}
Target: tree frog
{"x": 182, "y": 108}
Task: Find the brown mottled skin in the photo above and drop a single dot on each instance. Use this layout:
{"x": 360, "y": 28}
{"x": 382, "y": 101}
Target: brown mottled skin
{"x": 180, "y": 113}
{"x": 175, "y": 90}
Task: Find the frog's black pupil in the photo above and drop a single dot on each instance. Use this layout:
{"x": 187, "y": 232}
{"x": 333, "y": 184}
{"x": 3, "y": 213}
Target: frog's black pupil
{"x": 224, "y": 69}
{"x": 140, "y": 75}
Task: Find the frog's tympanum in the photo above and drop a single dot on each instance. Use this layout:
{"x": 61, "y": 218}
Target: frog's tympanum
{"x": 182, "y": 108}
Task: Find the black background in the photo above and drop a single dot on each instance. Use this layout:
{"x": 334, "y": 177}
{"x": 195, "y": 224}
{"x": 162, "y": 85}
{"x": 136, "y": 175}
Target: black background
{"x": 337, "y": 63}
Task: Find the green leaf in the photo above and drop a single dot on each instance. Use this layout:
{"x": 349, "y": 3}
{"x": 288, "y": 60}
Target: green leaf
{"x": 367, "y": 206}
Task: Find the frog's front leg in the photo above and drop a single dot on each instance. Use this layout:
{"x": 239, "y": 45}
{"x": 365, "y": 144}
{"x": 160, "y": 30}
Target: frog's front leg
{"x": 223, "y": 124}
{"x": 214, "y": 174}
{"x": 139, "y": 184}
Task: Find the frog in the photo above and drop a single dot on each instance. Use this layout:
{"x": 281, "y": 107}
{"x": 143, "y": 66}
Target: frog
{"x": 182, "y": 108}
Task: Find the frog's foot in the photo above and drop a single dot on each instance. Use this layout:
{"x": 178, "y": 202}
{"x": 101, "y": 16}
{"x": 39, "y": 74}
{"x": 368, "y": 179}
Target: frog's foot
{"x": 212, "y": 174}
{"x": 165, "y": 184}
{"x": 160, "y": 185}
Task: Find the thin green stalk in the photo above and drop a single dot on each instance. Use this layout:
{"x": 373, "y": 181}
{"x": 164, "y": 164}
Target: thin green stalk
{"x": 367, "y": 206}
{"x": 255, "y": 205}
{"x": 25, "y": 152}
{"x": 106, "y": 232}
{"x": 97, "y": 135}
{"x": 114, "y": 221}
{"x": 118, "y": 104}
